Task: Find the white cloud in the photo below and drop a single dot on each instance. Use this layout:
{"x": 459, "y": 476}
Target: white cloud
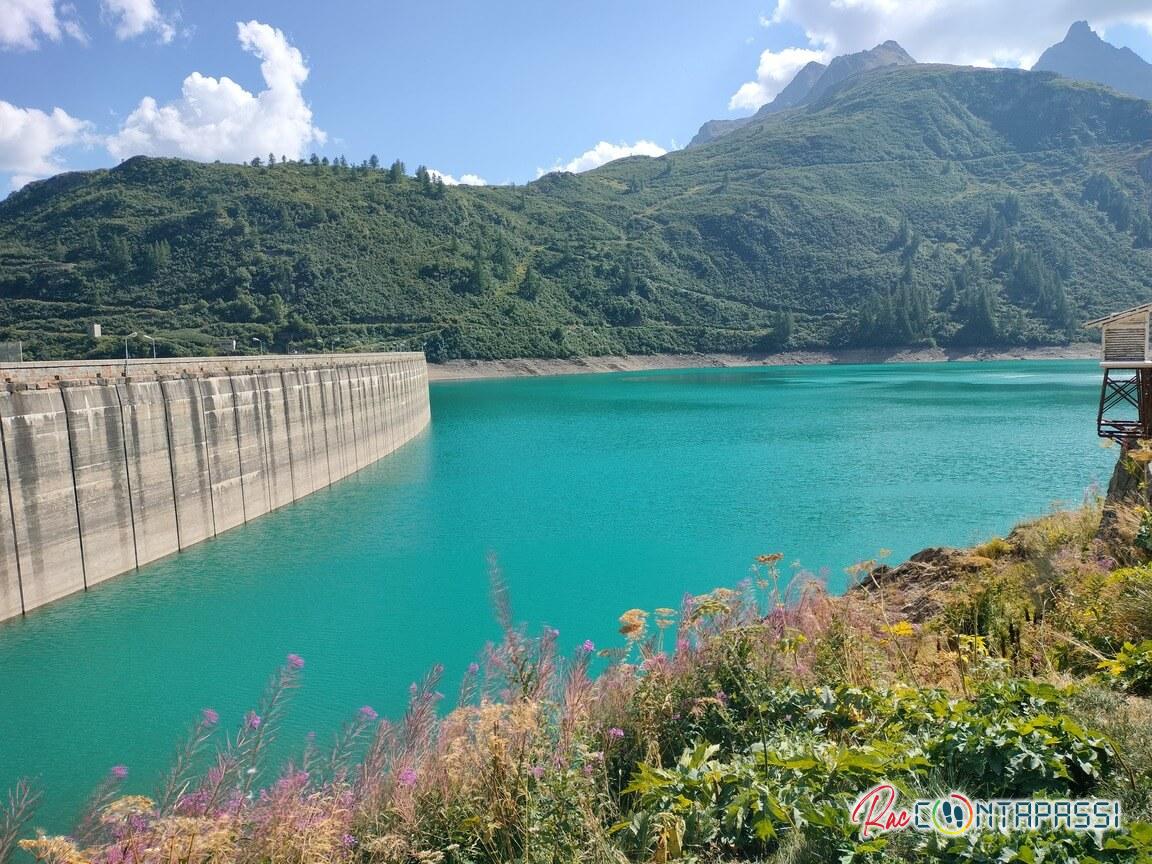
{"x": 776, "y": 70}
{"x": 23, "y": 23}
{"x": 216, "y": 118}
{"x": 463, "y": 180}
{"x": 29, "y": 139}
{"x": 605, "y": 152}
{"x": 135, "y": 17}
{"x": 975, "y": 32}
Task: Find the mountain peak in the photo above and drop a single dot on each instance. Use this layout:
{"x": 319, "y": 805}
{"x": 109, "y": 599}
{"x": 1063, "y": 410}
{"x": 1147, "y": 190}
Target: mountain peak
{"x": 1084, "y": 56}
{"x": 1079, "y": 30}
{"x": 809, "y": 84}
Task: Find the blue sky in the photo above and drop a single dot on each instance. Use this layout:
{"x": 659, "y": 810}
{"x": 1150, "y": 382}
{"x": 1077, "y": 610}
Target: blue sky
{"x": 498, "y": 90}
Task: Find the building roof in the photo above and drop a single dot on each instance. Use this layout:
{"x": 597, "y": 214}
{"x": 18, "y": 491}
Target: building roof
{"x": 1116, "y": 316}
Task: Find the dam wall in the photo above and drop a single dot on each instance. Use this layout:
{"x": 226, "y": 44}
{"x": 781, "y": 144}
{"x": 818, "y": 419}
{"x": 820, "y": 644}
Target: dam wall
{"x": 106, "y": 467}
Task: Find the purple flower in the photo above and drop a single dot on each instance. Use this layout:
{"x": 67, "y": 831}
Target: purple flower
{"x": 473, "y": 668}
{"x": 616, "y": 733}
{"x": 209, "y": 717}
{"x": 588, "y": 647}
{"x": 551, "y": 632}
{"x": 295, "y": 661}
{"x": 537, "y": 771}
{"x": 348, "y": 841}
{"x": 722, "y": 698}
{"x": 253, "y": 721}
{"x": 119, "y": 772}
{"x": 407, "y": 777}
{"x": 368, "y": 713}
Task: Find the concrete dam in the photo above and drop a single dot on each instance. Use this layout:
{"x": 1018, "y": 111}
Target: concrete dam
{"x": 108, "y": 466}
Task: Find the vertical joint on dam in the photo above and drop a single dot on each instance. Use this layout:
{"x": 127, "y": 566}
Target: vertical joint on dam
{"x": 108, "y": 467}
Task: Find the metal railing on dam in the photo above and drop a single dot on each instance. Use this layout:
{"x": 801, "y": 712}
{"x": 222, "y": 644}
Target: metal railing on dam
{"x": 108, "y": 466}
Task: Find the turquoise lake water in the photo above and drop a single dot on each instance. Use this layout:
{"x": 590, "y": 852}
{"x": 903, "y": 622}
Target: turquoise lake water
{"x": 598, "y": 493}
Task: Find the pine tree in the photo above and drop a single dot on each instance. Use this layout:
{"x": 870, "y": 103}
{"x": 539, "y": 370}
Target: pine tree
{"x": 478, "y": 278}
{"x": 119, "y": 255}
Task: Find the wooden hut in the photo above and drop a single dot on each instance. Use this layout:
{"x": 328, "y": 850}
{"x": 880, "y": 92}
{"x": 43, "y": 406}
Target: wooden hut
{"x": 1126, "y": 358}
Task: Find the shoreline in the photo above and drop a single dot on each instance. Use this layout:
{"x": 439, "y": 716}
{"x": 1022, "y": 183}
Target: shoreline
{"x": 467, "y": 370}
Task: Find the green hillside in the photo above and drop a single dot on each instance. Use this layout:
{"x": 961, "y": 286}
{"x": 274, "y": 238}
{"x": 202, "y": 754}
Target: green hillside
{"x": 909, "y": 206}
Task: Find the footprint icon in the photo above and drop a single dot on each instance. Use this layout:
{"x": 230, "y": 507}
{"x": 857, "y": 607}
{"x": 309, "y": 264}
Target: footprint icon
{"x": 951, "y": 816}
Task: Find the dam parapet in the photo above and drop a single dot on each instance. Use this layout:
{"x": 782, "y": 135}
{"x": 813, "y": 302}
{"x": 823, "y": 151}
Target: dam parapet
{"x": 108, "y": 466}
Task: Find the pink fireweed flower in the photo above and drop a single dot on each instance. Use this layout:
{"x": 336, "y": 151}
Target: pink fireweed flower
{"x": 253, "y": 721}
{"x": 209, "y": 717}
{"x": 588, "y": 647}
{"x": 119, "y": 772}
{"x": 407, "y": 777}
{"x": 616, "y": 733}
{"x": 295, "y": 661}
{"x": 368, "y": 713}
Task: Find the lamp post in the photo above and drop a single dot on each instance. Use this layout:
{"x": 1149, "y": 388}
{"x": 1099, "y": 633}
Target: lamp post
{"x": 126, "y": 338}
{"x": 152, "y": 339}
{"x": 259, "y": 342}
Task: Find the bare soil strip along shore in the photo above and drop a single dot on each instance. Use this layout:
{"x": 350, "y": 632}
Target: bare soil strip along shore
{"x": 461, "y": 370}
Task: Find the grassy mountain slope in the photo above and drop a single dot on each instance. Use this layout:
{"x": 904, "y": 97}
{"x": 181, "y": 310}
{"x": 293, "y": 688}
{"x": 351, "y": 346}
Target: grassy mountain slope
{"x": 907, "y": 206}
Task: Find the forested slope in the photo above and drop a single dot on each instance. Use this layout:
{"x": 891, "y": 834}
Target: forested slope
{"x": 909, "y": 205}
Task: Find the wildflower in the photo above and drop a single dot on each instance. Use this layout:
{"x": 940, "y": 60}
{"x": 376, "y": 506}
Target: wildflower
{"x": 348, "y": 841}
{"x": 252, "y": 721}
{"x": 633, "y": 622}
{"x": 295, "y": 661}
{"x": 588, "y": 647}
{"x": 209, "y": 717}
{"x": 119, "y": 772}
{"x": 407, "y": 777}
{"x": 368, "y": 713}
{"x": 770, "y": 559}
{"x": 537, "y": 771}
{"x": 473, "y": 668}
{"x": 616, "y": 733}
{"x": 722, "y": 698}
{"x": 551, "y": 632}
{"x": 901, "y": 628}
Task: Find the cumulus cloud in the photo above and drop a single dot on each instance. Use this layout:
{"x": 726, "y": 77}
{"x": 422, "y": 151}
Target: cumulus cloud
{"x": 973, "y": 32}
{"x": 463, "y": 180}
{"x": 776, "y": 69}
{"x": 29, "y": 139}
{"x": 23, "y": 23}
{"x": 216, "y": 118}
{"x": 605, "y": 152}
{"x": 136, "y": 17}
